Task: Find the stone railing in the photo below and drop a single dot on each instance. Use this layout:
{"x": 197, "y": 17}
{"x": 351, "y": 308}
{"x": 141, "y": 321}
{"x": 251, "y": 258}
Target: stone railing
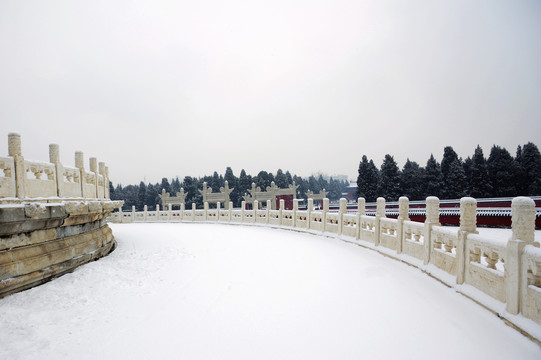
{"x": 22, "y": 179}
{"x": 508, "y": 271}
{"x": 53, "y": 218}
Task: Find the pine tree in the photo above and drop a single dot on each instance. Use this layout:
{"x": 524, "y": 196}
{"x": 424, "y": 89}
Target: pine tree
{"x": 165, "y": 186}
{"x": 289, "y": 178}
{"x": 232, "y": 180}
{"x": 502, "y": 172}
{"x": 480, "y": 183}
{"x": 411, "y": 182}
{"x": 245, "y": 184}
{"x": 151, "y": 196}
{"x": 368, "y": 179}
{"x": 141, "y": 196}
{"x": 389, "y": 179}
{"x": 531, "y": 163}
{"x": 456, "y": 186}
{"x": 433, "y": 178}
{"x": 313, "y": 185}
{"x": 281, "y": 180}
{"x": 449, "y": 156}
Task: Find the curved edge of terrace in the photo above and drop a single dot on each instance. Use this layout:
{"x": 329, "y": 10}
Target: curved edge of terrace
{"x": 502, "y": 274}
{"x": 53, "y": 218}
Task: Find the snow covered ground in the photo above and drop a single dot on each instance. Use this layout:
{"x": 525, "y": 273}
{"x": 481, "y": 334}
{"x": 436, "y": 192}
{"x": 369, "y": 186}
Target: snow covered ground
{"x": 211, "y": 291}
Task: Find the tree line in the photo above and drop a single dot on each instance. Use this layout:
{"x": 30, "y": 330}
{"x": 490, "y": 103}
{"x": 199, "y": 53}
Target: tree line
{"x": 148, "y": 194}
{"x": 499, "y": 175}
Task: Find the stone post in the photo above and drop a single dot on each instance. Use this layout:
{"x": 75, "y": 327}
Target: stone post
{"x": 255, "y": 207}
{"x": 269, "y": 206}
{"x": 193, "y": 211}
{"x": 282, "y": 204}
{"x": 145, "y": 212}
{"x": 403, "y": 215}
{"x": 107, "y": 194}
{"x": 325, "y": 212}
{"x": 343, "y": 210}
{"x": 523, "y": 233}
{"x": 380, "y": 213}
{"x": 361, "y": 211}
{"x": 54, "y": 158}
{"x": 230, "y": 210}
{"x": 468, "y": 225}
{"x": 15, "y": 151}
{"x": 94, "y": 171}
{"x": 309, "y": 209}
{"x": 432, "y": 218}
{"x": 243, "y": 207}
{"x": 133, "y": 213}
{"x": 295, "y": 209}
{"x": 218, "y": 206}
{"x": 101, "y": 169}
{"x": 182, "y": 209}
{"x": 206, "y": 210}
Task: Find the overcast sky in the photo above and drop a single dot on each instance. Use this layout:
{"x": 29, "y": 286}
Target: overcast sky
{"x": 174, "y": 88}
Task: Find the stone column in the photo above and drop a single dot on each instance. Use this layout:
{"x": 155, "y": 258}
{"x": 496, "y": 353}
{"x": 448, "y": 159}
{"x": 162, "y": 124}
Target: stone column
{"x": 342, "y": 211}
{"x": 523, "y": 233}
{"x": 206, "y": 210}
{"x": 193, "y": 211}
{"x": 243, "y": 207}
{"x": 361, "y": 211}
{"x": 380, "y": 213}
{"x": 282, "y": 204}
{"x": 182, "y": 209}
{"x": 79, "y": 164}
{"x": 468, "y": 225}
{"x": 101, "y": 168}
{"x": 403, "y": 215}
{"x": 15, "y": 151}
{"x": 94, "y": 171}
{"x": 309, "y": 209}
{"x": 269, "y": 206}
{"x": 295, "y": 209}
{"x": 432, "y": 218}
{"x": 325, "y": 212}
{"x": 54, "y": 158}
{"x": 145, "y": 212}
{"x": 107, "y": 194}
{"x": 230, "y": 210}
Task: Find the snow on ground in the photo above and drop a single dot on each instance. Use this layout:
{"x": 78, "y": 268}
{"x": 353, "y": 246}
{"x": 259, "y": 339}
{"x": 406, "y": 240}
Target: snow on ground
{"x": 211, "y": 291}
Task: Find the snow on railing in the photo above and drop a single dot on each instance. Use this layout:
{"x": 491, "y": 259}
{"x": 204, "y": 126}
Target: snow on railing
{"x": 22, "y": 179}
{"x": 494, "y": 266}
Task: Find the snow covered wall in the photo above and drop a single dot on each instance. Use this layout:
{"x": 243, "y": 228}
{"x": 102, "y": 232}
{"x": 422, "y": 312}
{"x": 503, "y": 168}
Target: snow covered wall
{"x": 52, "y": 218}
{"x": 502, "y": 273}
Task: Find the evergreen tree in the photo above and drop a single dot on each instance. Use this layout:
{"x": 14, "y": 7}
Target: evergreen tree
{"x": 334, "y": 189}
{"x": 367, "y": 180}
{"x": 152, "y": 196}
{"x": 449, "y": 156}
{"x": 480, "y": 182}
{"x": 245, "y": 184}
{"x": 141, "y": 196}
{"x": 520, "y": 177}
{"x": 289, "y": 178}
{"x": 389, "y": 179}
{"x": 281, "y": 179}
{"x": 502, "y": 172}
{"x": 263, "y": 179}
{"x": 467, "y": 165}
{"x": 233, "y": 183}
{"x": 456, "y": 186}
{"x": 531, "y": 163}
{"x": 433, "y": 178}
{"x": 165, "y": 186}
{"x": 411, "y": 181}
{"x": 313, "y": 185}
{"x": 303, "y": 187}
{"x": 175, "y": 186}
{"x": 191, "y": 189}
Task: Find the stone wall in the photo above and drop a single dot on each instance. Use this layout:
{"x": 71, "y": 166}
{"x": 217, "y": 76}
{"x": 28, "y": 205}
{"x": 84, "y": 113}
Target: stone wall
{"x": 52, "y": 218}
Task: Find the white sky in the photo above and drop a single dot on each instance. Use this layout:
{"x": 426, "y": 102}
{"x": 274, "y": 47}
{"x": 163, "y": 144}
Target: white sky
{"x": 167, "y": 88}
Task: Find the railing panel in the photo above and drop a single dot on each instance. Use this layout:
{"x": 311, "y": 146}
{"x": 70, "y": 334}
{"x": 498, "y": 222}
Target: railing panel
{"x": 188, "y": 215}
{"x": 287, "y": 217}
{"x": 200, "y": 215}
{"x": 414, "y": 239}
{"x": 368, "y": 228}
{"x": 72, "y": 182}
{"x": 388, "y": 233}
{"x": 443, "y": 252}
{"x": 7, "y": 177}
{"x": 249, "y": 216}
{"x": 531, "y": 287}
{"x": 212, "y": 215}
{"x": 236, "y": 215}
{"x": 349, "y": 225}
{"x": 317, "y": 221}
{"x": 274, "y": 217}
{"x": 40, "y": 180}
{"x": 301, "y": 219}
{"x": 225, "y": 215}
{"x": 485, "y": 265}
{"x": 331, "y": 222}
{"x": 261, "y": 216}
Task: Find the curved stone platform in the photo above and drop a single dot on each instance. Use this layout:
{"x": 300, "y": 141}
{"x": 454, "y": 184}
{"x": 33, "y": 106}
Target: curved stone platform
{"x": 40, "y": 241}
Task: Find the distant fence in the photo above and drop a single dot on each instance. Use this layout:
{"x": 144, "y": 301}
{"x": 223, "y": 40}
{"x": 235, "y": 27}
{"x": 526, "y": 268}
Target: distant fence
{"x": 507, "y": 270}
